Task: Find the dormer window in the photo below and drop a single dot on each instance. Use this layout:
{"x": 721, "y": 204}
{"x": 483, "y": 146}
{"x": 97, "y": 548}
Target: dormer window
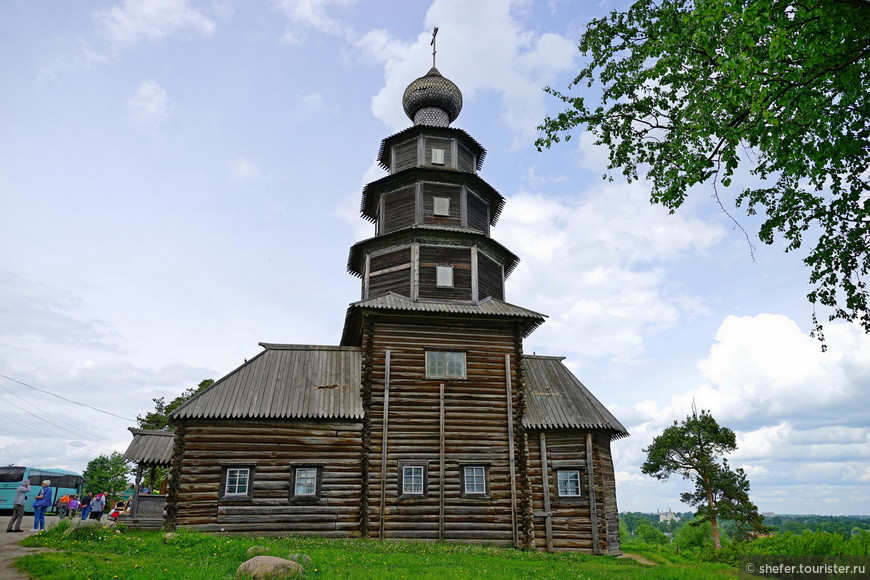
{"x": 444, "y": 276}
{"x": 437, "y": 156}
{"x": 441, "y": 206}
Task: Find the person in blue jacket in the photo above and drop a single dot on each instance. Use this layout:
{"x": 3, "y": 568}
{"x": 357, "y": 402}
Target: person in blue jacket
{"x": 40, "y": 504}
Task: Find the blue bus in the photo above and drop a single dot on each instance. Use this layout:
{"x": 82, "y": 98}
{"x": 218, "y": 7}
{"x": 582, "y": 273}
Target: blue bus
{"x": 63, "y": 482}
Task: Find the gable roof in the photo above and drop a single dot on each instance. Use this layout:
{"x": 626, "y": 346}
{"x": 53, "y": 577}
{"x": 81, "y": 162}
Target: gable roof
{"x": 150, "y": 447}
{"x": 557, "y": 399}
{"x": 285, "y": 381}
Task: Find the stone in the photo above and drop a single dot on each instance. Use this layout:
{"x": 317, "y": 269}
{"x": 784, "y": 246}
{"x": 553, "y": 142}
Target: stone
{"x": 258, "y": 551}
{"x": 269, "y": 567}
{"x": 303, "y": 559}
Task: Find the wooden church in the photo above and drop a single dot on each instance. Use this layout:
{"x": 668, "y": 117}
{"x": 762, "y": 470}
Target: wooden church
{"x": 428, "y": 421}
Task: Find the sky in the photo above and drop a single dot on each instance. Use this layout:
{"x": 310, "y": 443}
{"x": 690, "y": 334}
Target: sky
{"x": 180, "y": 180}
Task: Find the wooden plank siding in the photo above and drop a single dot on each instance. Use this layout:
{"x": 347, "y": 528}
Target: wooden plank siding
{"x": 445, "y": 145}
{"x": 478, "y": 213}
{"x": 451, "y": 192}
{"x": 390, "y": 272}
{"x": 404, "y": 155}
{"x": 490, "y": 276}
{"x": 457, "y": 257}
{"x": 272, "y": 448}
{"x": 571, "y": 518}
{"x": 400, "y": 209}
{"x": 475, "y": 415}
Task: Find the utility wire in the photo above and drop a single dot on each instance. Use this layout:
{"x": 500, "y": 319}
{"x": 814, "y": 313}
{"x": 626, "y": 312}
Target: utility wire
{"x": 56, "y": 418}
{"x": 65, "y": 399}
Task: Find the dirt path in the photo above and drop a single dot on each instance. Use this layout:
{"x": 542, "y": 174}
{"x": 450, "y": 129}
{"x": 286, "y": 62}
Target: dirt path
{"x": 11, "y": 549}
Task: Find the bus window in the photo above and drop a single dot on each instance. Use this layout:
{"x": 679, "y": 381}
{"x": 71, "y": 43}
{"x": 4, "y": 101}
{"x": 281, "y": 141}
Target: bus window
{"x": 11, "y": 474}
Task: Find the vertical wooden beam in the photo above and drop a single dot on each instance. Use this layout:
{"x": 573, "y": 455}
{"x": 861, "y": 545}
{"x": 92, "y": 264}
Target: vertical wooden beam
{"x": 134, "y": 509}
{"x": 441, "y": 478}
{"x": 590, "y": 485}
{"x": 384, "y": 446}
{"x": 548, "y": 508}
{"x": 511, "y": 460}
{"x": 475, "y": 275}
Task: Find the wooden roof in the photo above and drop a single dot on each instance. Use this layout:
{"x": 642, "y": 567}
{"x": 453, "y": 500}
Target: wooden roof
{"x": 392, "y": 302}
{"x": 150, "y": 447}
{"x": 285, "y": 381}
{"x": 558, "y": 400}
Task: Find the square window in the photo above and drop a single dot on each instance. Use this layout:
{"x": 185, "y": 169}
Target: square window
{"x": 445, "y": 364}
{"x": 437, "y": 156}
{"x": 568, "y": 481}
{"x": 474, "y": 480}
{"x": 413, "y": 480}
{"x": 306, "y": 481}
{"x": 441, "y": 206}
{"x": 444, "y": 276}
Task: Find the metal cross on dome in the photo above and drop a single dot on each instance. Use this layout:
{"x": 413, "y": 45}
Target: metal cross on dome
{"x": 432, "y": 44}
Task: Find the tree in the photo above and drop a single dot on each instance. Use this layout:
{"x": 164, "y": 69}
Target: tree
{"x": 107, "y": 473}
{"x": 694, "y": 450}
{"x": 692, "y": 89}
{"x": 159, "y": 417}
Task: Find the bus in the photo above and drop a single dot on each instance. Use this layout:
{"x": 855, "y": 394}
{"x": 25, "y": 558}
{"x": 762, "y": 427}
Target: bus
{"x": 63, "y": 482}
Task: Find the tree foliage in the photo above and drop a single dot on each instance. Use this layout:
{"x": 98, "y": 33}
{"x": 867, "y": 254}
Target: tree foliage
{"x": 159, "y": 417}
{"x": 690, "y": 90}
{"x": 107, "y": 473}
{"x": 694, "y": 449}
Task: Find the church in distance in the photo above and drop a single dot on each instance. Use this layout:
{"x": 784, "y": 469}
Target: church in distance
{"x": 427, "y": 421}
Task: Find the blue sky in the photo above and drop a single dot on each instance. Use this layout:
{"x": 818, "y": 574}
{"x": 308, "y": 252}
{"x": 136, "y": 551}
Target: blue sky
{"x": 180, "y": 180}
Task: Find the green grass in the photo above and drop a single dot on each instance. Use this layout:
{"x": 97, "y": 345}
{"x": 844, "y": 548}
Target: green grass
{"x": 96, "y": 553}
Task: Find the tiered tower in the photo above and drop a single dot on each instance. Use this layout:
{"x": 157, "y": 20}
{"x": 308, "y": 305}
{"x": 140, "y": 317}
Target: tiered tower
{"x": 443, "y": 393}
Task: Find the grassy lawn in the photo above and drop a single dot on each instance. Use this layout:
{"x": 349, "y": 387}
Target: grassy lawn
{"x": 96, "y": 553}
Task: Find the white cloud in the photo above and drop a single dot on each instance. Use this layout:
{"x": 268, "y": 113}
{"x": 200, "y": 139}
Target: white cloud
{"x": 607, "y": 255}
{"x": 509, "y": 60}
{"x": 314, "y": 14}
{"x": 151, "y": 102}
{"x": 135, "y": 20}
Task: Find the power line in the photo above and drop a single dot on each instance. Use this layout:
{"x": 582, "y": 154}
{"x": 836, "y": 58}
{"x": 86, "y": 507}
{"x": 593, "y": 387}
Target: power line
{"x": 65, "y": 399}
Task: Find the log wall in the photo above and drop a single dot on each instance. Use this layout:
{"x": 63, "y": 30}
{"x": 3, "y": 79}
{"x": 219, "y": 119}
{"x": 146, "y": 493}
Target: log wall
{"x": 273, "y": 448}
{"x": 573, "y": 523}
{"x": 474, "y": 431}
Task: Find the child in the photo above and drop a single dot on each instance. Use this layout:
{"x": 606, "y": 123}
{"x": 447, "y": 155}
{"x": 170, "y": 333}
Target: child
{"x": 73, "y": 506}
{"x": 116, "y": 513}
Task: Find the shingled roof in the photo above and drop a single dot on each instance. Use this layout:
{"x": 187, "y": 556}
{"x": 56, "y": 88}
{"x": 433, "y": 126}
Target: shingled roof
{"x": 150, "y": 447}
{"x": 285, "y": 381}
{"x": 558, "y": 400}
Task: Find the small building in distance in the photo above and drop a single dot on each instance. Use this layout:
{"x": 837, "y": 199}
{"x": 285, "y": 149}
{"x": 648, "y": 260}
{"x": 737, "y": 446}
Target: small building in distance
{"x": 428, "y": 421}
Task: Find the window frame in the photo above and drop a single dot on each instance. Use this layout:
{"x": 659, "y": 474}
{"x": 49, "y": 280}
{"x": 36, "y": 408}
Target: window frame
{"x": 442, "y": 273}
{"x": 567, "y": 470}
{"x": 248, "y": 495}
{"x": 318, "y": 483}
{"x": 444, "y": 203}
{"x": 445, "y": 374}
{"x": 437, "y": 156}
{"x": 424, "y": 483}
{"x": 463, "y": 481}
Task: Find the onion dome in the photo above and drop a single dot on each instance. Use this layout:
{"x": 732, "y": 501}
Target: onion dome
{"x": 432, "y": 100}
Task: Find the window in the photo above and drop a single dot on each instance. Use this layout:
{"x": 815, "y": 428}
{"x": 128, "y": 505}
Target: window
{"x": 306, "y": 481}
{"x": 441, "y": 206}
{"x": 412, "y": 479}
{"x": 445, "y": 364}
{"x": 568, "y": 481}
{"x": 444, "y": 276}
{"x": 475, "y": 481}
{"x": 236, "y": 482}
{"x": 437, "y": 156}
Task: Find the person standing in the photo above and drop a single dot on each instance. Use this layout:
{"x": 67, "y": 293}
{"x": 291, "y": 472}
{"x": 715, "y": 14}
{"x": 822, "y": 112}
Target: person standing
{"x": 86, "y": 505}
{"x": 73, "y": 506}
{"x": 63, "y": 506}
{"x": 42, "y": 503}
{"x": 18, "y": 507}
{"x": 98, "y": 504}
